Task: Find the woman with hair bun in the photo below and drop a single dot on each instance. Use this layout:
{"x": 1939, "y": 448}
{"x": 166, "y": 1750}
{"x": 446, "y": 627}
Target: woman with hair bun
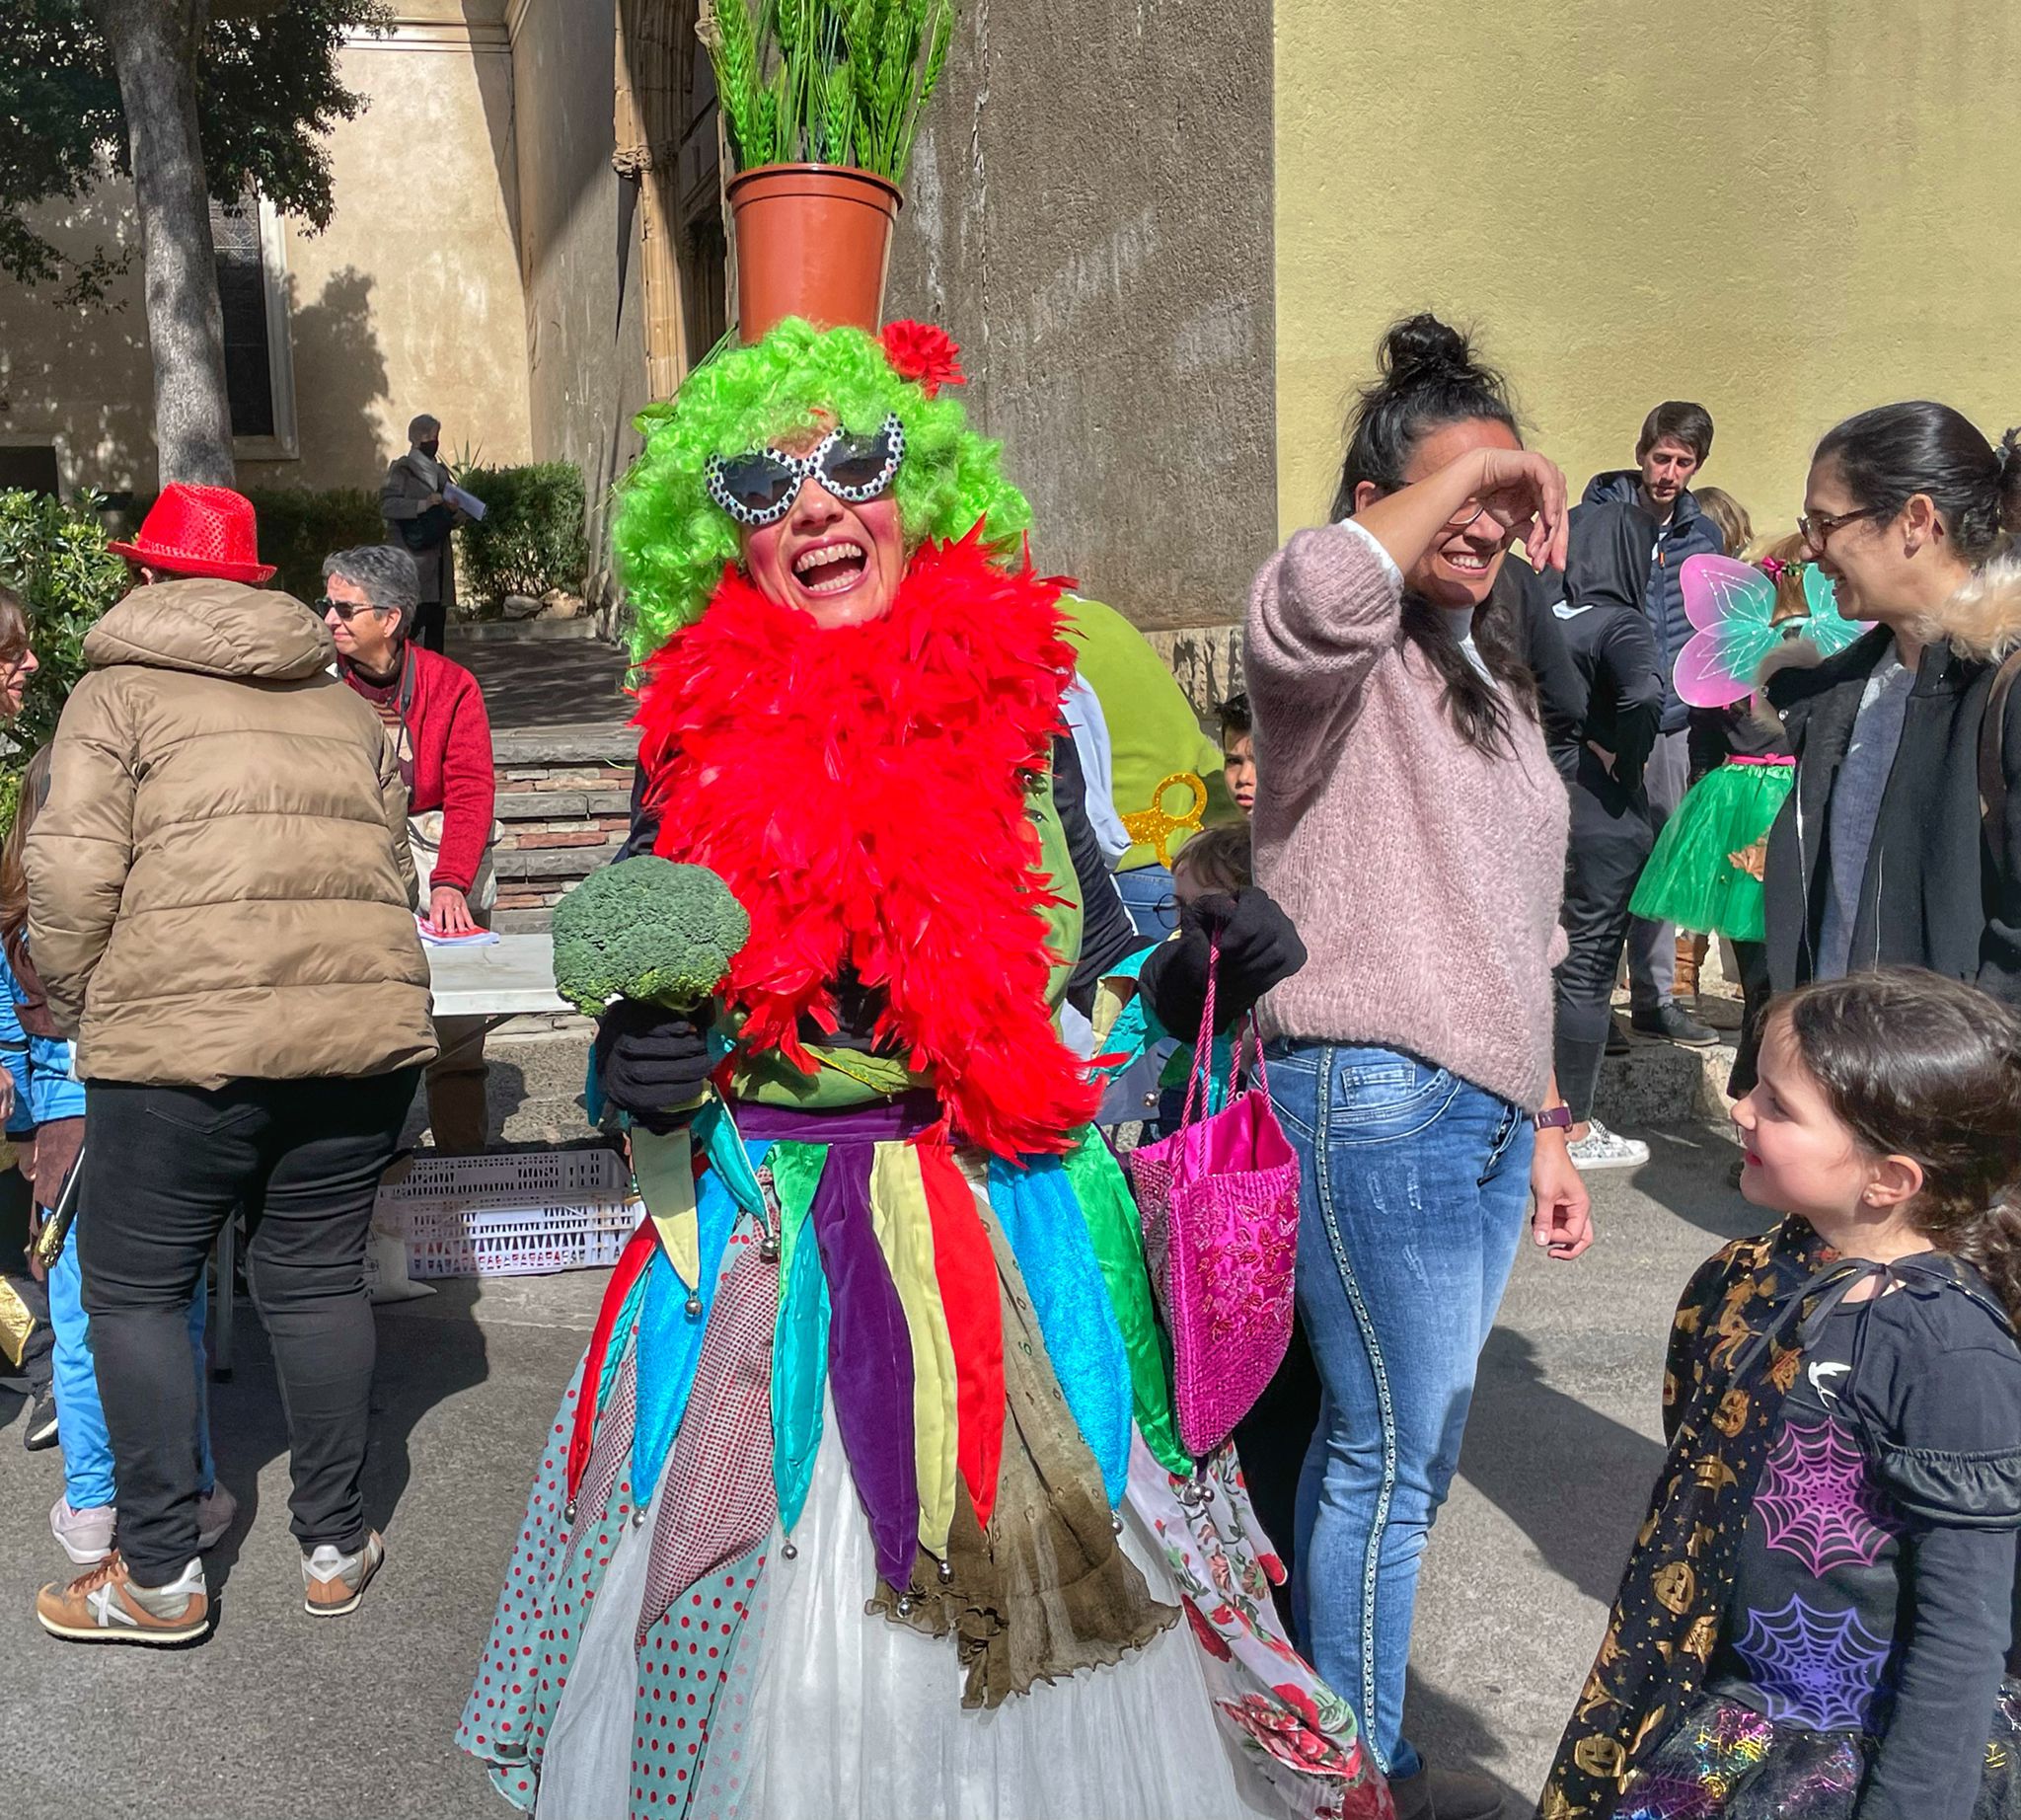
{"x": 1409, "y": 820}
{"x": 1890, "y": 850}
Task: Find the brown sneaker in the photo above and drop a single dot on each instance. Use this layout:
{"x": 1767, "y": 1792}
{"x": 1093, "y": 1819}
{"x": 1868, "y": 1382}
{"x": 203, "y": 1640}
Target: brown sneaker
{"x": 104, "y": 1606}
{"x": 334, "y": 1582}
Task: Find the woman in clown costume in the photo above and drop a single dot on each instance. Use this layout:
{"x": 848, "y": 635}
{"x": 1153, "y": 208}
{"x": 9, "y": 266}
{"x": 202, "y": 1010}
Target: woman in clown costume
{"x": 888, "y": 1513}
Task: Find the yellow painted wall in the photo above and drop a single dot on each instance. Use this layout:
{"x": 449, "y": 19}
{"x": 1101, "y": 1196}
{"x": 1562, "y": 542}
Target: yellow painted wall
{"x": 1786, "y": 209}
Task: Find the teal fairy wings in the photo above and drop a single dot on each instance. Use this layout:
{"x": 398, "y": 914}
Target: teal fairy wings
{"x": 1732, "y": 604}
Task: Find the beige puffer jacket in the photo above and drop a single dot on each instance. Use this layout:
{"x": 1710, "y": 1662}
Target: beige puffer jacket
{"x": 220, "y": 883}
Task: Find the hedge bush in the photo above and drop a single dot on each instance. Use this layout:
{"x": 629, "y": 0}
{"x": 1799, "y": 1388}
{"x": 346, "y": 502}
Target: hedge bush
{"x": 54, "y": 556}
{"x": 532, "y": 535}
{"x": 299, "y": 528}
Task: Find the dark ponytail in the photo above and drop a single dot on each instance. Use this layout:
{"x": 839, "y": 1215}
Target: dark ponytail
{"x": 1887, "y": 456}
{"x": 1928, "y": 1067}
{"x": 1428, "y": 378}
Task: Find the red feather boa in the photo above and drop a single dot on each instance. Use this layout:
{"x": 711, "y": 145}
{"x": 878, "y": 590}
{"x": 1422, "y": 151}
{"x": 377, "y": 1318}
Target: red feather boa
{"x": 864, "y": 793}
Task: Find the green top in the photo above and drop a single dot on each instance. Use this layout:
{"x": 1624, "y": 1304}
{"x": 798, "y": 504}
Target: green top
{"x": 1153, "y": 732}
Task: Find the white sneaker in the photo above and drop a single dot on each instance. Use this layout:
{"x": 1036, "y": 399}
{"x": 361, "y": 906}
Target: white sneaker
{"x": 86, "y": 1534}
{"x": 1602, "y": 1149}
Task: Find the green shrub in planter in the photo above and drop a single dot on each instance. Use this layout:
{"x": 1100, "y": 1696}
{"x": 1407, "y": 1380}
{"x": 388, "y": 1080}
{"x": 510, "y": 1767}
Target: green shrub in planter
{"x": 299, "y": 528}
{"x": 531, "y": 538}
{"x": 54, "y": 556}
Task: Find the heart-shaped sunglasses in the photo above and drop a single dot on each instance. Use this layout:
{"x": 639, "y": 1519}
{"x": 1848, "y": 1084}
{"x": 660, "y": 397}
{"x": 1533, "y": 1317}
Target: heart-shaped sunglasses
{"x": 759, "y": 488}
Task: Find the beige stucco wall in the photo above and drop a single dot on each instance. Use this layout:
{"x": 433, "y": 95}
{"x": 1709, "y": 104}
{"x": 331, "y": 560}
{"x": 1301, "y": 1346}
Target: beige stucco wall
{"x": 411, "y": 299}
{"x": 82, "y": 379}
{"x": 1785, "y": 210}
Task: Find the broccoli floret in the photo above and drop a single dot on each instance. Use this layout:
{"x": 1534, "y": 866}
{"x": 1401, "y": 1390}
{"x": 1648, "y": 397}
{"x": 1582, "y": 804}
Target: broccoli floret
{"x": 647, "y": 928}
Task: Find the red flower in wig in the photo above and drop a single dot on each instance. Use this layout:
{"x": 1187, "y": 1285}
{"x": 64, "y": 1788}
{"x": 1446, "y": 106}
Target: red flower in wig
{"x": 924, "y": 353}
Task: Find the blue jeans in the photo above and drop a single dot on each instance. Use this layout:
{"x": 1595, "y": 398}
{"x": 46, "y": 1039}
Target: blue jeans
{"x": 1142, "y": 890}
{"x": 1413, "y": 1190}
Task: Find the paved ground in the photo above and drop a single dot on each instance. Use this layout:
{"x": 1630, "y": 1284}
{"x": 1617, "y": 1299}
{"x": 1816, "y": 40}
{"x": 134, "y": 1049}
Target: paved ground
{"x": 281, "y": 1714}
{"x": 545, "y": 682}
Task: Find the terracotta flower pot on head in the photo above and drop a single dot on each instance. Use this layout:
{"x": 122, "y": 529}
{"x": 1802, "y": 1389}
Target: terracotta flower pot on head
{"x": 813, "y": 240}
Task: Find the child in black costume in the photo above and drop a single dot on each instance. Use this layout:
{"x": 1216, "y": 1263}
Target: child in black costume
{"x": 1814, "y": 1620}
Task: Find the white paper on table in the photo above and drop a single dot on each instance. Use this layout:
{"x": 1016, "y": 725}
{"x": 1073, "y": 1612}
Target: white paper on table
{"x": 466, "y": 503}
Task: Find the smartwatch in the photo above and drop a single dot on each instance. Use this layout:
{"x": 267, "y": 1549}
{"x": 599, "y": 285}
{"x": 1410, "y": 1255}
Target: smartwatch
{"x": 1553, "y": 1118}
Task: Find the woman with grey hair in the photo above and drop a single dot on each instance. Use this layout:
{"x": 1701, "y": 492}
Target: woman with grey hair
{"x": 435, "y": 720}
{"x": 420, "y": 519}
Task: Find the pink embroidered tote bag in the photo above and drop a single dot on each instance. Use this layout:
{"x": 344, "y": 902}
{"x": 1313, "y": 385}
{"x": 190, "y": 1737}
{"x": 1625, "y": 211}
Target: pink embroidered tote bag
{"x": 1220, "y": 1205}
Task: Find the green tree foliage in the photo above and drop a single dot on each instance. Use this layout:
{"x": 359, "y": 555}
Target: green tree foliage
{"x": 531, "y": 538}
{"x": 268, "y": 93}
{"x": 54, "y": 556}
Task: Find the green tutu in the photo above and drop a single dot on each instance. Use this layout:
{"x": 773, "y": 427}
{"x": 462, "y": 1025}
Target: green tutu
{"x": 1690, "y": 878}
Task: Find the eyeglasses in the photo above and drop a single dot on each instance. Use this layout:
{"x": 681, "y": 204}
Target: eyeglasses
{"x": 348, "y": 609}
{"x": 1816, "y": 530}
{"x": 759, "y": 488}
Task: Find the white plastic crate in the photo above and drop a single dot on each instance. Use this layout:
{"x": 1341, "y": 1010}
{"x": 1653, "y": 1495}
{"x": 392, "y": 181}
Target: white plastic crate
{"x": 526, "y": 1214}
{"x": 450, "y": 1240}
{"x": 515, "y": 1178}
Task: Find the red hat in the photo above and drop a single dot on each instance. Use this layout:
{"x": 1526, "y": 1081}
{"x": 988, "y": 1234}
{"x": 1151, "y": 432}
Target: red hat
{"x": 199, "y": 531}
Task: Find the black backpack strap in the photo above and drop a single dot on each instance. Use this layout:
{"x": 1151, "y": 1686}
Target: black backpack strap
{"x": 1992, "y": 740}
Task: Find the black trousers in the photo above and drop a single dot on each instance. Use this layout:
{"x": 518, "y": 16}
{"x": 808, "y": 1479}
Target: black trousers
{"x": 1610, "y": 841}
{"x": 1756, "y": 992}
{"x": 430, "y": 617}
{"x": 164, "y": 1168}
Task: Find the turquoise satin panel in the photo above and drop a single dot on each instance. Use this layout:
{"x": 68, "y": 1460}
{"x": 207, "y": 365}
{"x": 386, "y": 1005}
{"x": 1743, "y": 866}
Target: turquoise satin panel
{"x": 669, "y": 1344}
{"x": 800, "y": 1340}
{"x": 1040, "y": 1216}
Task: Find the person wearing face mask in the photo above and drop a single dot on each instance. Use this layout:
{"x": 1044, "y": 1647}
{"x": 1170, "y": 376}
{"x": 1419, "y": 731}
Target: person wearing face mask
{"x": 1409, "y": 820}
{"x": 1901, "y": 841}
{"x": 420, "y": 520}
{"x": 899, "y": 1475}
{"x": 434, "y": 715}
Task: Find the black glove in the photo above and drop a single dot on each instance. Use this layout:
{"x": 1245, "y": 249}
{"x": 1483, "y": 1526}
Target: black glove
{"x": 1258, "y": 948}
{"x": 652, "y": 1063}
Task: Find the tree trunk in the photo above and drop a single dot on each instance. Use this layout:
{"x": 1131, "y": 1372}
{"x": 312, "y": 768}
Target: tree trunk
{"x": 154, "y": 45}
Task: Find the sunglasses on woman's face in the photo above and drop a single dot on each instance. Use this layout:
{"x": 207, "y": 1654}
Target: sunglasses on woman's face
{"x": 348, "y": 609}
{"x": 759, "y": 488}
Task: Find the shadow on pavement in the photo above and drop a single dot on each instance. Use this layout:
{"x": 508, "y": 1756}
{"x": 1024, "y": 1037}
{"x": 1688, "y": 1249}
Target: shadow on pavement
{"x": 1691, "y": 1172}
{"x": 1455, "y": 1737}
{"x": 424, "y": 1360}
{"x": 1527, "y": 1442}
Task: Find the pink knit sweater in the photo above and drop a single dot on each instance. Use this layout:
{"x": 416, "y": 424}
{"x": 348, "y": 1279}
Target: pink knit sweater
{"x": 1424, "y": 876}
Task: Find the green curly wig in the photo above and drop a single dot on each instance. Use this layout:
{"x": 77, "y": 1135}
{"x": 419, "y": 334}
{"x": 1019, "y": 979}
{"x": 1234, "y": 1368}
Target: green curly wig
{"x": 672, "y": 540}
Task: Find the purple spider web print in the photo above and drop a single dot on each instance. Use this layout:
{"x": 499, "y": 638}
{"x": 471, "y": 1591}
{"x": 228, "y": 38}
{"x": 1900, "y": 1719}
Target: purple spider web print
{"x": 1816, "y": 1502}
{"x": 1815, "y": 1669}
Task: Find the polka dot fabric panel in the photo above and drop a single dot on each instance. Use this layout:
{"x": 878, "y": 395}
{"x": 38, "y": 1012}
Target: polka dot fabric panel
{"x": 496, "y": 1718}
{"x": 694, "y": 1670}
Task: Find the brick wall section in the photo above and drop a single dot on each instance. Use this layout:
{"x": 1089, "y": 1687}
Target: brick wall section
{"x": 565, "y": 797}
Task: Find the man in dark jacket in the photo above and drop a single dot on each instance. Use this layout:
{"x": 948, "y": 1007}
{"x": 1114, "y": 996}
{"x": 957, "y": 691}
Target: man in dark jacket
{"x": 1602, "y": 758}
{"x": 1675, "y": 440}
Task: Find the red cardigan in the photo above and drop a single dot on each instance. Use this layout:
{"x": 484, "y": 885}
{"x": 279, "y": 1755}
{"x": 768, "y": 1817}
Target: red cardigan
{"x": 452, "y": 741}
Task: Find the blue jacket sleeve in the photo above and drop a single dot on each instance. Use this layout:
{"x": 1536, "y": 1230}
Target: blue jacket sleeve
{"x": 13, "y": 1055}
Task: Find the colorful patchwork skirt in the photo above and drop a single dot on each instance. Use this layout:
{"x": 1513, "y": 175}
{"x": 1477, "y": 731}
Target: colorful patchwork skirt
{"x": 887, "y": 1515}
